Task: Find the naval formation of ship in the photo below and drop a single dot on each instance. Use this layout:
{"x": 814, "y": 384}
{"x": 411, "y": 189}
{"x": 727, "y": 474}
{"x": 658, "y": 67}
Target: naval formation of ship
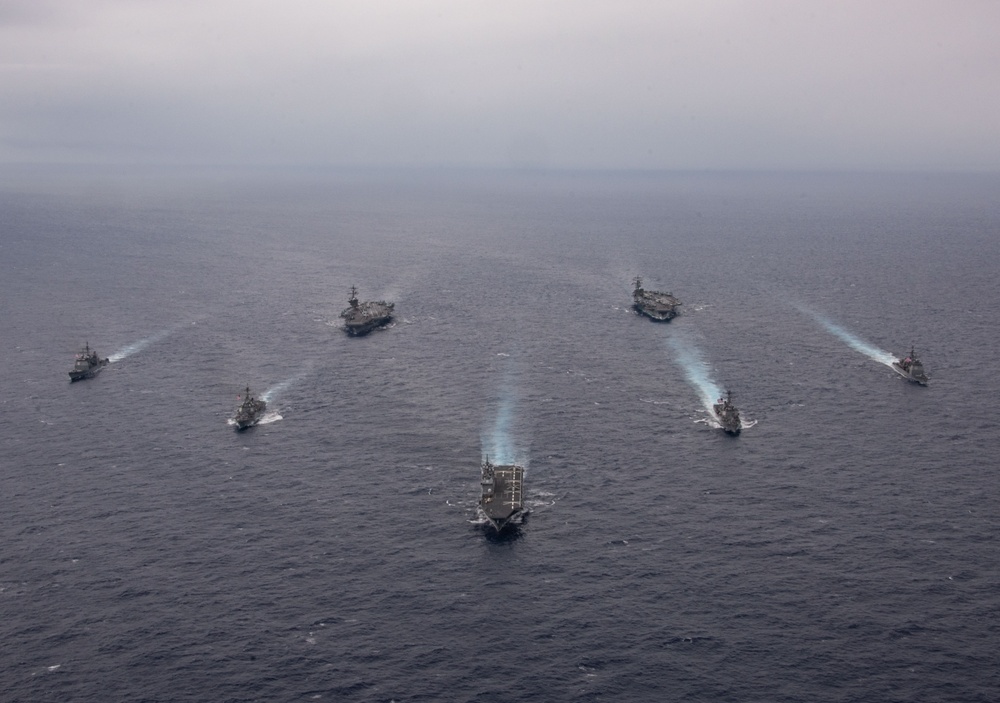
{"x": 502, "y": 490}
{"x": 502, "y": 500}
{"x": 909, "y": 367}
{"x": 661, "y": 307}
{"x": 362, "y": 318}
{"x": 728, "y": 414}
{"x": 87, "y": 365}
{"x": 250, "y": 411}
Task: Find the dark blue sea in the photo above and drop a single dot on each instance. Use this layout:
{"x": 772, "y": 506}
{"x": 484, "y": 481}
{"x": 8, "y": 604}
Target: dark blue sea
{"x": 843, "y": 548}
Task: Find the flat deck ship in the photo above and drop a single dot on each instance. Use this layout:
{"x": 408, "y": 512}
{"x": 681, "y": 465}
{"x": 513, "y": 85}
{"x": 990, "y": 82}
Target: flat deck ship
{"x": 502, "y": 499}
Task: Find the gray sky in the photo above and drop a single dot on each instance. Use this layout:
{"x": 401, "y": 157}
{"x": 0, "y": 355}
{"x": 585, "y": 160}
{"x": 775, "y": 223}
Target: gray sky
{"x": 692, "y": 84}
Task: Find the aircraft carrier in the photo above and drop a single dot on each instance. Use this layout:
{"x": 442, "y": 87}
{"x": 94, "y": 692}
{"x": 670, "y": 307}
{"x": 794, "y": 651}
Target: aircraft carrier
{"x": 362, "y": 318}
{"x": 502, "y": 499}
{"x": 661, "y": 307}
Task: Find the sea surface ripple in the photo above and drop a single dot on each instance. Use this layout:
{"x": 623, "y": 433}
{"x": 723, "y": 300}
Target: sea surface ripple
{"x": 844, "y": 548}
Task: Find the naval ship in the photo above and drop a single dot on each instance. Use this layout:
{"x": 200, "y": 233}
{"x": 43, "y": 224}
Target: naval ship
{"x": 502, "y": 500}
{"x": 87, "y": 365}
{"x": 661, "y": 307}
{"x": 250, "y": 412}
{"x": 909, "y": 367}
{"x": 729, "y": 416}
{"x": 362, "y": 318}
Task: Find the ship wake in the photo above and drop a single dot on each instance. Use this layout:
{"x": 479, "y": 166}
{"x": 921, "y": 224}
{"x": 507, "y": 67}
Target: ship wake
{"x": 497, "y": 441}
{"x": 137, "y": 347}
{"x": 279, "y": 388}
{"x": 698, "y": 373}
{"x": 854, "y": 342}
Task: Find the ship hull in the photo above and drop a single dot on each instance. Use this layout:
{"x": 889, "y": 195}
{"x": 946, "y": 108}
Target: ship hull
{"x": 729, "y": 428}
{"x": 655, "y": 315}
{"x": 363, "y": 328}
{"x": 908, "y": 376}
{"x": 89, "y": 373}
{"x": 730, "y": 425}
{"x": 499, "y": 526}
{"x": 246, "y": 422}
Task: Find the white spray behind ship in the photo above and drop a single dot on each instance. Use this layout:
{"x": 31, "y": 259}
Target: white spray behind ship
{"x": 853, "y": 341}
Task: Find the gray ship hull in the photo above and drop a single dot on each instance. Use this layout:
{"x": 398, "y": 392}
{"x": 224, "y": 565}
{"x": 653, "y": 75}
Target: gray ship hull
{"x": 359, "y": 329}
{"x": 89, "y": 373}
{"x": 919, "y": 380}
{"x": 730, "y": 428}
{"x": 248, "y": 422}
{"x": 658, "y": 315}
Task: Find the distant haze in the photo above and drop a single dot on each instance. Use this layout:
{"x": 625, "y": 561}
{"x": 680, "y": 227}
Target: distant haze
{"x": 628, "y": 84}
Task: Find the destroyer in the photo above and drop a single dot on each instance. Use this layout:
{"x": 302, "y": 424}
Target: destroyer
{"x": 661, "y": 307}
{"x": 87, "y": 365}
{"x": 729, "y": 416}
{"x": 362, "y": 318}
{"x": 501, "y": 501}
{"x": 909, "y": 367}
{"x": 250, "y": 412}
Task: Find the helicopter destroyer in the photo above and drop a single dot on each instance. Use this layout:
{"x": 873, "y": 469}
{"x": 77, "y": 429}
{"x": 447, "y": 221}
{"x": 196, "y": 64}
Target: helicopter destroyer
{"x": 362, "y": 318}
{"x": 250, "y": 412}
{"x": 502, "y": 500}
{"x": 729, "y": 416}
{"x": 909, "y": 367}
{"x": 87, "y": 365}
{"x": 661, "y": 307}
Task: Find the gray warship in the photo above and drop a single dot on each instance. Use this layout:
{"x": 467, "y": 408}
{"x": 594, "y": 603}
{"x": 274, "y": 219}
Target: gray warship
{"x": 250, "y": 412}
{"x": 362, "y": 318}
{"x": 87, "y": 365}
{"x": 909, "y": 367}
{"x": 661, "y": 307}
{"x": 502, "y": 500}
{"x": 729, "y": 416}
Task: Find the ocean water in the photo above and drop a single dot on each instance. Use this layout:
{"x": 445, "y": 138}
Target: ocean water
{"x": 843, "y": 548}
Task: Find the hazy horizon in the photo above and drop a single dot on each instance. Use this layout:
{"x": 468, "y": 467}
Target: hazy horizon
{"x": 636, "y": 85}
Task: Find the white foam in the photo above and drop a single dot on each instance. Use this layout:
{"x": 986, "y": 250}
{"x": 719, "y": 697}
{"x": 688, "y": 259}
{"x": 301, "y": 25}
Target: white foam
{"x": 856, "y": 343}
{"x": 697, "y": 372}
{"x": 137, "y": 346}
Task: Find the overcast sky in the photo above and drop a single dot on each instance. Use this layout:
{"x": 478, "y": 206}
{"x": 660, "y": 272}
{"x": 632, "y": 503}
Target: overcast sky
{"x": 689, "y": 84}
